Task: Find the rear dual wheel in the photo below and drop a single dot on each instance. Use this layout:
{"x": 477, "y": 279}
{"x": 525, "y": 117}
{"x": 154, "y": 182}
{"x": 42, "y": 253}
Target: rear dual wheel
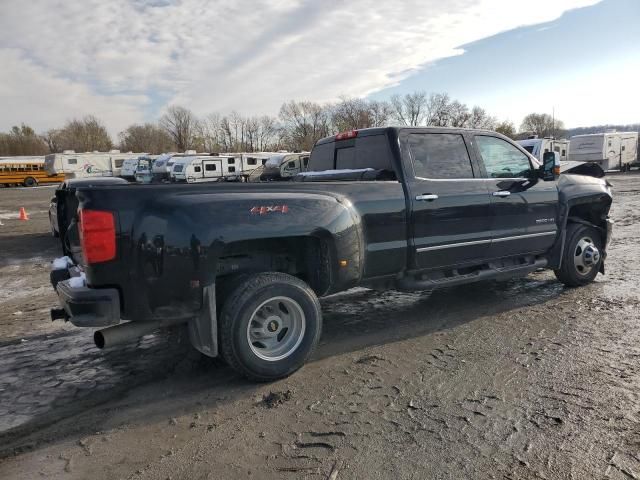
{"x": 30, "y": 182}
{"x": 269, "y": 325}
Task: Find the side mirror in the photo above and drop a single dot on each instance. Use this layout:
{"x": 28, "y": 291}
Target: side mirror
{"x": 550, "y": 169}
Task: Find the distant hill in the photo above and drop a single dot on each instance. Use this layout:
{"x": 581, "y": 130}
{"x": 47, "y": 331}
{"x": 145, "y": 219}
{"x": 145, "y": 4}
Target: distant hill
{"x": 570, "y": 132}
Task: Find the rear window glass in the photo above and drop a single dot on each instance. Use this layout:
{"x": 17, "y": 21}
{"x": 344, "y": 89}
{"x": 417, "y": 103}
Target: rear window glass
{"x": 371, "y": 151}
{"x": 440, "y": 155}
{"x": 345, "y": 158}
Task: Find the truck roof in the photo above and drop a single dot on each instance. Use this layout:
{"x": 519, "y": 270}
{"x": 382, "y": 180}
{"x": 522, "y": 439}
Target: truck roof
{"x": 363, "y": 132}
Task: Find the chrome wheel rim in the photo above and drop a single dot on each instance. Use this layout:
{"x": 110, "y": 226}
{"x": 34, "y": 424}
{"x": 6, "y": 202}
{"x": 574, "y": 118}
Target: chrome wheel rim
{"x": 276, "y": 328}
{"x": 585, "y": 256}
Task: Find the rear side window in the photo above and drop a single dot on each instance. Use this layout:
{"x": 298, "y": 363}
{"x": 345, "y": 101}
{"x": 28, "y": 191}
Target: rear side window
{"x": 322, "y": 157}
{"x": 440, "y": 155}
{"x": 501, "y": 159}
{"x": 367, "y": 151}
{"x": 210, "y": 167}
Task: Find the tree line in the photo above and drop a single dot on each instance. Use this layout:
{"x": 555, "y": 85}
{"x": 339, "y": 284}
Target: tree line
{"x": 298, "y": 125}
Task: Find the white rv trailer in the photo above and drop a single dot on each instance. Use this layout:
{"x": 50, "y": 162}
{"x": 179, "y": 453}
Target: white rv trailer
{"x": 88, "y": 164}
{"x": 539, "y": 146}
{"x": 143, "y": 171}
{"x": 283, "y": 166}
{"x": 161, "y": 169}
{"x": 196, "y": 169}
{"x": 610, "y": 150}
{"x": 131, "y": 166}
{"x": 251, "y": 161}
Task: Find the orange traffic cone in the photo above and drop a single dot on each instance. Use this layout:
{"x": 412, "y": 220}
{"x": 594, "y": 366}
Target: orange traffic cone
{"x": 23, "y": 214}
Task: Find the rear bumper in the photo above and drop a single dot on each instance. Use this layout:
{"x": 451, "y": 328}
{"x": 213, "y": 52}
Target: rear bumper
{"x": 84, "y": 306}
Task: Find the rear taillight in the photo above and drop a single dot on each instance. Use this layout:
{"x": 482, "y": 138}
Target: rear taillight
{"x": 97, "y": 235}
{"x": 347, "y": 135}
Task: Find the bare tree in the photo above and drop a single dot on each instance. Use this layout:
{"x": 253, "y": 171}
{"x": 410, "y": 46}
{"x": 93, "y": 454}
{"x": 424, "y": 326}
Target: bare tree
{"x": 506, "y": 128}
{"x": 542, "y": 124}
{"x": 268, "y": 135}
{"x": 479, "y": 118}
{"x": 148, "y": 138}
{"x": 182, "y": 125}
{"x": 411, "y": 109}
{"x": 303, "y": 124}
{"x": 457, "y": 115}
{"x": 22, "y": 140}
{"x": 354, "y": 113}
{"x": 381, "y": 113}
{"x": 52, "y": 138}
{"x": 439, "y": 110}
{"x": 82, "y": 135}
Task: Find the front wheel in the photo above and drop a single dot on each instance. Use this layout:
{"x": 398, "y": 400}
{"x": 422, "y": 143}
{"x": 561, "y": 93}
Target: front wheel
{"x": 269, "y": 326}
{"x": 582, "y": 256}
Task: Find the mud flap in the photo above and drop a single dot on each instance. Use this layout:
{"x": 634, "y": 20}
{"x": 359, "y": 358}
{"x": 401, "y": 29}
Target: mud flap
{"x": 203, "y": 329}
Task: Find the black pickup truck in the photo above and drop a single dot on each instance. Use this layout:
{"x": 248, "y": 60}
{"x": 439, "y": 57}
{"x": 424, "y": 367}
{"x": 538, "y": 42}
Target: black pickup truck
{"x": 243, "y": 264}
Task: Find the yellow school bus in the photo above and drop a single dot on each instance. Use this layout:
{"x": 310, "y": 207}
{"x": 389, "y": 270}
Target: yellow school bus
{"x": 28, "y": 174}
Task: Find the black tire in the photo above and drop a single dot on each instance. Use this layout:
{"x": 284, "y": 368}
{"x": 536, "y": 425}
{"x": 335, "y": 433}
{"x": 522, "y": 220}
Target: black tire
{"x": 570, "y": 274}
{"x": 54, "y": 233}
{"x": 30, "y": 182}
{"x": 241, "y": 306}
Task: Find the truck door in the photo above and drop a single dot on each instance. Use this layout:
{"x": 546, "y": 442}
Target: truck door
{"x": 450, "y": 218}
{"x": 524, "y": 208}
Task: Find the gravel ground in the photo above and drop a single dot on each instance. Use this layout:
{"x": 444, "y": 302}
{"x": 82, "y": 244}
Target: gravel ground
{"x": 518, "y": 379}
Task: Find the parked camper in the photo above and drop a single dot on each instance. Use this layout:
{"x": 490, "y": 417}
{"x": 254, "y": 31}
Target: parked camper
{"x": 284, "y": 166}
{"x": 143, "y": 171}
{"x": 88, "y": 164}
{"x": 161, "y": 169}
{"x": 251, "y": 161}
{"x": 130, "y": 166}
{"x": 610, "y": 150}
{"x": 539, "y": 146}
{"x": 196, "y": 169}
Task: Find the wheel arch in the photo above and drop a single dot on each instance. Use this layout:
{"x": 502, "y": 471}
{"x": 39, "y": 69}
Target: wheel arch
{"x": 311, "y": 258}
{"x": 592, "y": 211}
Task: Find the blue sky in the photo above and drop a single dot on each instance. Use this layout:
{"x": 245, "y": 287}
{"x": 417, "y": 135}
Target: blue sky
{"x": 125, "y": 61}
{"x": 586, "y": 64}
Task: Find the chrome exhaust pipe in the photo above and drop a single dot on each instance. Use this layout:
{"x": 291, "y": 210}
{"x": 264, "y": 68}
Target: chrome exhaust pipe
{"x": 108, "y": 337}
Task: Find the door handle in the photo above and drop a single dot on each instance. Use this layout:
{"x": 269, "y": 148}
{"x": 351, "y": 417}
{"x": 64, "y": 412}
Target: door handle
{"x": 502, "y": 193}
{"x": 427, "y": 196}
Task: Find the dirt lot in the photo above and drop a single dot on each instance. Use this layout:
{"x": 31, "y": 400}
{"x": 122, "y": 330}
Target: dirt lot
{"x": 521, "y": 379}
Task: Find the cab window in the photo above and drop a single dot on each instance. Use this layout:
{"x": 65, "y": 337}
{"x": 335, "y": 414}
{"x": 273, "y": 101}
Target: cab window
{"x": 501, "y": 159}
{"x": 440, "y": 156}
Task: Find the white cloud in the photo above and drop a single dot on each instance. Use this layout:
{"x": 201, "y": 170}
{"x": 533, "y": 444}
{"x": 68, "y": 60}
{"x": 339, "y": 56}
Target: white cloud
{"x": 116, "y": 59}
